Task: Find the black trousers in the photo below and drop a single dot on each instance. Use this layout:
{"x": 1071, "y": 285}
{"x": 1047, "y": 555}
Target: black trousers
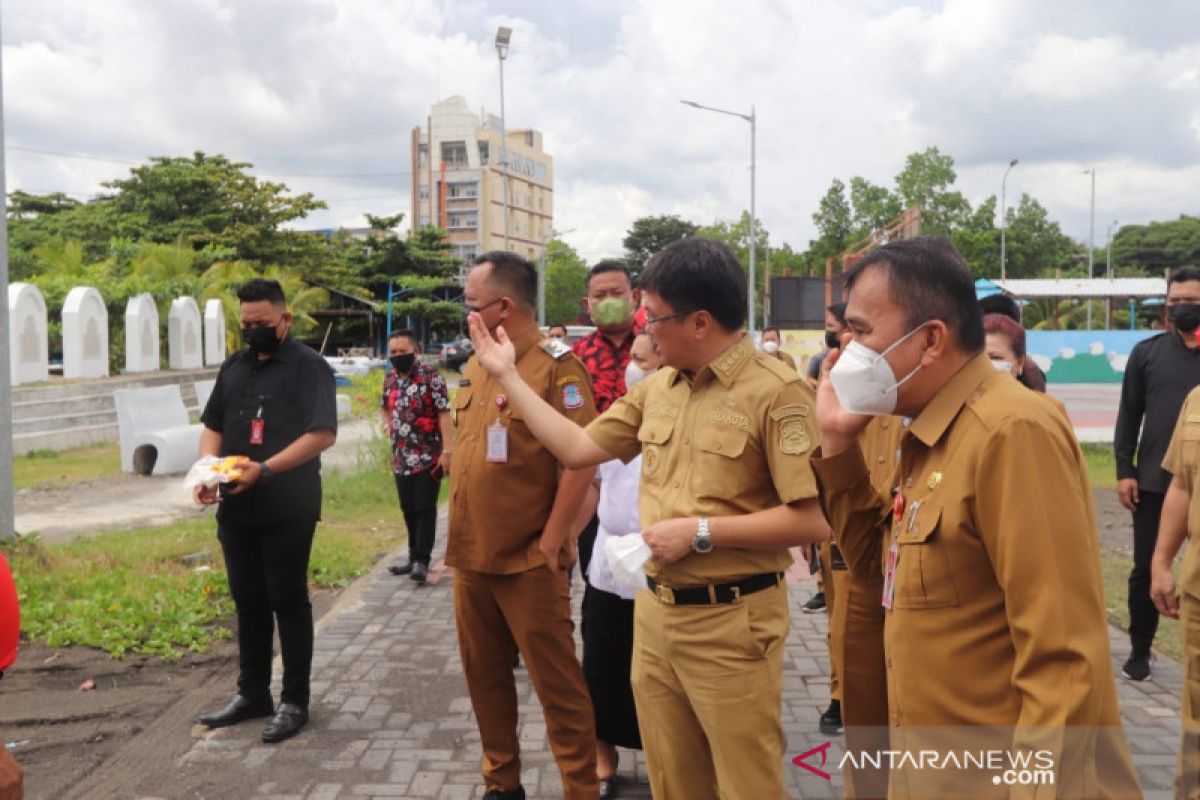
{"x": 268, "y": 577}
{"x": 1143, "y": 616}
{"x": 418, "y": 502}
{"x": 585, "y": 543}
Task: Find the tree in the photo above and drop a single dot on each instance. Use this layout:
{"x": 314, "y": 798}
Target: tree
{"x": 873, "y": 206}
{"x": 648, "y": 235}
{"x": 1158, "y": 246}
{"x": 926, "y": 181}
{"x": 978, "y": 240}
{"x": 566, "y": 283}
{"x": 1035, "y": 245}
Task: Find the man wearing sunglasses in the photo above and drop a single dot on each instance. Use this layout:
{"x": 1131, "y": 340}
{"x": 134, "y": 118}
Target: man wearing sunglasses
{"x": 725, "y": 432}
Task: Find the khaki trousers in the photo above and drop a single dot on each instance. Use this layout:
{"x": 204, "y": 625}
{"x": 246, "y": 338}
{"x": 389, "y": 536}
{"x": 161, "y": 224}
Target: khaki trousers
{"x": 834, "y": 582}
{"x": 708, "y": 683}
{"x": 496, "y": 615}
{"x": 1187, "y": 776}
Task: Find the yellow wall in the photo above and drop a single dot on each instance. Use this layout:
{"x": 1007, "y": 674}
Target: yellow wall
{"x": 802, "y": 345}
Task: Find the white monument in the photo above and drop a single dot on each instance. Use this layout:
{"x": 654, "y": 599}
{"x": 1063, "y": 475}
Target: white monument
{"x": 141, "y": 334}
{"x": 184, "y": 349}
{"x": 85, "y": 334}
{"x": 214, "y": 333}
{"x": 28, "y": 336}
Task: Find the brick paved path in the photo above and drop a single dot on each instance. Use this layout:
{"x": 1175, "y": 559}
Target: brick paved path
{"x": 391, "y": 716}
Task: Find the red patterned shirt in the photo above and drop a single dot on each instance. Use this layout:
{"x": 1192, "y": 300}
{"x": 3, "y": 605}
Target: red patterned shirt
{"x": 606, "y": 363}
{"x": 415, "y": 401}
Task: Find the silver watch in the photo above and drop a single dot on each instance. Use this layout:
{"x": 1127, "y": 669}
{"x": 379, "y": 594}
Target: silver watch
{"x": 702, "y": 542}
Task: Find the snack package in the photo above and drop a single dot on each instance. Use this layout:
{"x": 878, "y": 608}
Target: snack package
{"x": 213, "y": 470}
{"x": 626, "y": 556}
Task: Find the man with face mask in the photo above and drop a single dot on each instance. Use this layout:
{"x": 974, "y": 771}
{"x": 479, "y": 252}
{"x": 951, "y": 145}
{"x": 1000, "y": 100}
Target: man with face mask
{"x": 771, "y": 340}
{"x": 273, "y": 402}
{"x": 611, "y": 302}
{"x": 991, "y": 507}
{"x": 416, "y": 414}
{"x": 1158, "y": 376}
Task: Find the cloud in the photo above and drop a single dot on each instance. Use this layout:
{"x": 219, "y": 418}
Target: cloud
{"x": 333, "y": 87}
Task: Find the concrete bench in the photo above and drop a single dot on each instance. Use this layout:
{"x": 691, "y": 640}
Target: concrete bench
{"x": 156, "y": 438}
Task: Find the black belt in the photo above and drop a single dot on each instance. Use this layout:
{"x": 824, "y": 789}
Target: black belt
{"x": 714, "y": 594}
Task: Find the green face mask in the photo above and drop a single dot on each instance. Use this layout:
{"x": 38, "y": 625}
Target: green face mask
{"x": 611, "y": 311}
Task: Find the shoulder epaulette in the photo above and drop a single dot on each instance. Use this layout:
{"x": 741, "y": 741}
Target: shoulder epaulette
{"x": 556, "y": 349}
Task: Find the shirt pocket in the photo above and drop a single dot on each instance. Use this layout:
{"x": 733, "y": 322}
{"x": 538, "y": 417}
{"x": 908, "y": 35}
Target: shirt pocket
{"x": 460, "y": 404}
{"x": 655, "y": 437}
{"x": 923, "y": 576}
{"x": 716, "y": 470}
{"x": 1191, "y": 444}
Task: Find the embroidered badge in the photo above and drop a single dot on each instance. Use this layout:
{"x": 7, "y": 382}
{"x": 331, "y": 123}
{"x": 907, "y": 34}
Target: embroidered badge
{"x": 935, "y": 480}
{"x": 797, "y": 410}
{"x": 793, "y": 438}
{"x": 649, "y": 460}
{"x": 572, "y": 397}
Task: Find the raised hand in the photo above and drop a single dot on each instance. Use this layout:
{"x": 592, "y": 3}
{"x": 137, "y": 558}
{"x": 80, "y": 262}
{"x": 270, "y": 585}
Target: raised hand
{"x": 839, "y": 428}
{"x": 497, "y": 355}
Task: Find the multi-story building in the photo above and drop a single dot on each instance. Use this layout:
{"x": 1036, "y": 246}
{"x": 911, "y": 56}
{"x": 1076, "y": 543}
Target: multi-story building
{"x": 458, "y": 182}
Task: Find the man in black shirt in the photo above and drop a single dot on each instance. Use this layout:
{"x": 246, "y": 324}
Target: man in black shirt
{"x": 273, "y": 402}
{"x": 1160, "y": 373}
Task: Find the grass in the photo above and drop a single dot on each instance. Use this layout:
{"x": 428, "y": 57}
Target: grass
{"x": 1169, "y": 640}
{"x": 1101, "y": 465}
{"x": 60, "y": 468}
{"x": 129, "y": 592}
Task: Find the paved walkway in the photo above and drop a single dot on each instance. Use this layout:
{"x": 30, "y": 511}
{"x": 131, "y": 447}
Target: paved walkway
{"x": 391, "y": 716}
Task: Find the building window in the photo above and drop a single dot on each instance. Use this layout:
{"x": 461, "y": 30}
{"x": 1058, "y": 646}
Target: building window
{"x": 484, "y": 152}
{"x": 424, "y": 192}
{"x": 464, "y": 191}
{"x": 424, "y": 220}
{"x": 463, "y": 221}
{"x": 423, "y": 156}
{"x": 454, "y": 155}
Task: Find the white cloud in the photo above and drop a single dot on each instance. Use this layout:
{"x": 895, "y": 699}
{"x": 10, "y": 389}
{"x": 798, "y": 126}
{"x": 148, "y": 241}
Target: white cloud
{"x": 333, "y": 87}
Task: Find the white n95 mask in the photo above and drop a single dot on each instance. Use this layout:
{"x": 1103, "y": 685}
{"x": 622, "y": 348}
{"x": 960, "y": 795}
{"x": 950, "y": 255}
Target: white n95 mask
{"x": 770, "y": 348}
{"x": 863, "y": 380}
{"x": 635, "y": 375}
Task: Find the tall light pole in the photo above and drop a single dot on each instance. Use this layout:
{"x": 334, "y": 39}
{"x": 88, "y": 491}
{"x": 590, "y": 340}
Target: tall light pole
{"x": 1109, "y": 247}
{"x": 7, "y": 522}
{"x": 753, "y": 120}
{"x": 1004, "y": 217}
{"x": 503, "y": 35}
{"x": 1091, "y": 241}
{"x": 541, "y": 284}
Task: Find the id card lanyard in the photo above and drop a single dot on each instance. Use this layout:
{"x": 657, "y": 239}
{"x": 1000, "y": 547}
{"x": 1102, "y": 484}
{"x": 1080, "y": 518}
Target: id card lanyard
{"x": 497, "y": 436}
{"x": 904, "y": 515}
{"x": 257, "y": 427}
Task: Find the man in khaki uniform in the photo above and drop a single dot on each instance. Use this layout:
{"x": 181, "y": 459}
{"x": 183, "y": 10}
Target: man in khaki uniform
{"x": 725, "y": 434}
{"x": 992, "y": 508}
{"x": 771, "y": 342}
{"x": 510, "y": 539}
{"x": 1181, "y": 519}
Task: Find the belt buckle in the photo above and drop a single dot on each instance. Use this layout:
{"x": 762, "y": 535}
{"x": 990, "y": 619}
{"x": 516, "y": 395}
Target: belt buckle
{"x": 664, "y": 593}
{"x": 737, "y": 592}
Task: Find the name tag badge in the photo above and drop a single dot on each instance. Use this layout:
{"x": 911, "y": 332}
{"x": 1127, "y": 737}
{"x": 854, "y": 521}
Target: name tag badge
{"x": 889, "y": 575}
{"x": 497, "y": 444}
{"x": 256, "y": 430}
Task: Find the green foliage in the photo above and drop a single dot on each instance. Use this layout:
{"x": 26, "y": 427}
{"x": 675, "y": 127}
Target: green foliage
{"x": 566, "y": 283}
{"x": 1158, "y": 246}
{"x": 926, "y": 181}
{"x": 648, "y": 235}
{"x": 1036, "y": 245}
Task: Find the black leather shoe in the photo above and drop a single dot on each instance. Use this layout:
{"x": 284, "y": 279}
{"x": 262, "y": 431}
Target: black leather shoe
{"x": 396, "y": 569}
{"x": 831, "y": 719}
{"x": 237, "y": 710}
{"x": 286, "y": 723}
{"x": 419, "y": 573}
{"x": 501, "y": 794}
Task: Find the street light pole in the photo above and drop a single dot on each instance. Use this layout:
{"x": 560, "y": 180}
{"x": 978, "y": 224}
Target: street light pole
{"x": 1109, "y": 247}
{"x": 503, "y": 36}
{"x": 752, "y": 118}
{"x": 7, "y": 513}
{"x": 1004, "y": 218}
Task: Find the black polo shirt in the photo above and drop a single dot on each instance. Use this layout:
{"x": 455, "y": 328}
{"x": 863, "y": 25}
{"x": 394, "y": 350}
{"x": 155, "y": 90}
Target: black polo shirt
{"x": 293, "y": 390}
{"x": 1158, "y": 376}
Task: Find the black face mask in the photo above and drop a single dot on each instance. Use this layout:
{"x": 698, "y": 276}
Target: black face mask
{"x": 1185, "y": 316}
{"x": 260, "y": 340}
{"x": 831, "y": 340}
{"x": 403, "y": 363}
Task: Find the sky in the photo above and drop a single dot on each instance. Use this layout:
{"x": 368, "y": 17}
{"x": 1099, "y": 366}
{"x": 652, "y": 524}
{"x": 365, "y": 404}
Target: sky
{"x": 322, "y": 95}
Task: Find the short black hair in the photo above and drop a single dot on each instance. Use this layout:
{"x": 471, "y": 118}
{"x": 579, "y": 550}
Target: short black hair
{"x": 556, "y": 325}
{"x": 609, "y": 266}
{"x": 839, "y": 312}
{"x": 697, "y": 274}
{"x": 928, "y": 278}
{"x": 1185, "y": 274}
{"x": 772, "y": 329}
{"x": 406, "y": 333}
{"x": 256, "y": 290}
{"x": 514, "y": 276}
{"x": 1000, "y": 303}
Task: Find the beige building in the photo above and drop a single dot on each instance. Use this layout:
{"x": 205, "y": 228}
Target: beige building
{"x": 458, "y": 182}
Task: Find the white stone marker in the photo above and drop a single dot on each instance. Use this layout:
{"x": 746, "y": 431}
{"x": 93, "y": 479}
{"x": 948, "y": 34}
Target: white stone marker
{"x": 141, "y": 334}
{"x": 85, "y": 334}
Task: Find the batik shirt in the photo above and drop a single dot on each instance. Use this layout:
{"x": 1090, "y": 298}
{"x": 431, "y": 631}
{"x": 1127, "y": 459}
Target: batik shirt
{"x": 414, "y": 402}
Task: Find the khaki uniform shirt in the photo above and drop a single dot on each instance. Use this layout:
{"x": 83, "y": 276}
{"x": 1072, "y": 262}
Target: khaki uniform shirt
{"x": 785, "y": 358}
{"x": 998, "y": 616}
{"x": 733, "y": 439}
{"x": 498, "y": 510}
{"x": 1183, "y": 461}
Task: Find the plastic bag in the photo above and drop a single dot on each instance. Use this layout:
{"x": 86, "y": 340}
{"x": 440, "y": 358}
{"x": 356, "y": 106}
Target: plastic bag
{"x": 213, "y": 470}
{"x": 626, "y": 556}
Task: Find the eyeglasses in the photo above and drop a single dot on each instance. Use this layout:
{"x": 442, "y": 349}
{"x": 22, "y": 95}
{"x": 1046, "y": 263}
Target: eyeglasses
{"x": 480, "y": 309}
{"x": 655, "y": 320}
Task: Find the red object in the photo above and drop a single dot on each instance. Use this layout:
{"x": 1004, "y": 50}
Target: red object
{"x": 501, "y": 401}
{"x": 10, "y": 617}
{"x": 256, "y": 431}
{"x": 898, "y": 505}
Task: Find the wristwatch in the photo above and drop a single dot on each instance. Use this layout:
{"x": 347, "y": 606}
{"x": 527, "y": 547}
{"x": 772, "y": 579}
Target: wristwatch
{"x": 264, "y": 473}
{"x": 702, "y": 542}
